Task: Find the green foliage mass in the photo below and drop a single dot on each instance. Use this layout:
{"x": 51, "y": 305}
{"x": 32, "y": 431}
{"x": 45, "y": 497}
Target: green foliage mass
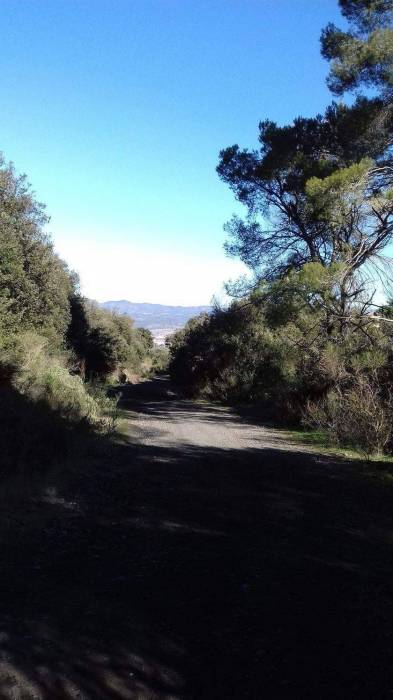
{"x": 364, "y": 54}
{"x": 35, "y": 284}
{"x": 317, "y": 191}
{"x": 112, "y": 343}
{"x": 56, "y": 348}
{"x": 281, "y": 348}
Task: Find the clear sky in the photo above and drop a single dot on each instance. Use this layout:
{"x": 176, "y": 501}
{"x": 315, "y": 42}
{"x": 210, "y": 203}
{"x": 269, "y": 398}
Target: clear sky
{"x": 117, "y": 109}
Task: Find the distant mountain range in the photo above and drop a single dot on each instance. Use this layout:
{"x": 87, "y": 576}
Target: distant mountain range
{"x": 160, "y": 319}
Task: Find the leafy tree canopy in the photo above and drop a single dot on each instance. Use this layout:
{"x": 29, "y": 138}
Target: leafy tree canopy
{"x": 317, "y": 191}
{"x": 35, "y": 285}
{"x": 363, "y": 55}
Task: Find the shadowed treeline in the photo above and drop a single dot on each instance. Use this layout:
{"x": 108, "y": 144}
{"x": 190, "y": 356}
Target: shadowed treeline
{"x": 187, "y": 571}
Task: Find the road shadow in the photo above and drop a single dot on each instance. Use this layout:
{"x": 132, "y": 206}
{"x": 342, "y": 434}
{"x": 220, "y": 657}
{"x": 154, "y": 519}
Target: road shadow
{"x": 197, "y": 572}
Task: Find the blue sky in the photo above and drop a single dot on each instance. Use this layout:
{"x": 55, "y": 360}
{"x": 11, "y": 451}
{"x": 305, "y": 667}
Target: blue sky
{"x": 117, "y": 109}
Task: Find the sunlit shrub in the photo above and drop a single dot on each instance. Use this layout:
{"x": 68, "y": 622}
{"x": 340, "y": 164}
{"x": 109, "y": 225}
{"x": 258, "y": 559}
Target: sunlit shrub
{"x": 359, "y": 415}
{"x": 42, "y": 377}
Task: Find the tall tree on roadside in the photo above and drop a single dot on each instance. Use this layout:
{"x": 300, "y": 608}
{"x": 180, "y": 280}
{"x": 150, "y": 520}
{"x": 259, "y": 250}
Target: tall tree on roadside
{"x": 313, "y": 193}
{"x": 35, "y": 285}
{"x": 320, "y": 190}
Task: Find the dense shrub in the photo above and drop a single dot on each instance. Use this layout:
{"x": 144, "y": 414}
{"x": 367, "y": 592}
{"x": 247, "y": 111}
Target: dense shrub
{"x": 106, "y": 343}
{"x": 283, "y": 351}
{"x": 44, "y": 377}
{"x": 360, "y": 416}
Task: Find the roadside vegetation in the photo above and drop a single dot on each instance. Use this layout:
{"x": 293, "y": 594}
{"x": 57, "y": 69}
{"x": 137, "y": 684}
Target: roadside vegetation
{"x": 58, "y": 351}
{"x": 307, "y": 335}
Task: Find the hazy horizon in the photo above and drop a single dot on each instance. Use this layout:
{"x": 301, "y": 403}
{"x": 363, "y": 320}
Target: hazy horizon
{"x": 149, "y": 303}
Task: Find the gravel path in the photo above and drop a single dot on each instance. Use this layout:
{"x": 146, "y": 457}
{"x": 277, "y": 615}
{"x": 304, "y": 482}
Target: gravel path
{"x": 202, "y": 556}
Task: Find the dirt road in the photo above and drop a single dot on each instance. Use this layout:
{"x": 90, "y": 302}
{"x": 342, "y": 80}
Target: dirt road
{"x": 204, "y": 557}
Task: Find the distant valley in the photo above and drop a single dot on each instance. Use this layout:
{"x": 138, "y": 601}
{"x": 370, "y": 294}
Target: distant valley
{"x": 160, "y": 319}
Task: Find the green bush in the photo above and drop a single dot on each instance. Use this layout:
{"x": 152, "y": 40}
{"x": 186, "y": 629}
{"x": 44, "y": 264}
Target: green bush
{"x": 359, "y": 416}
{"x": 287, "y": 353}
{"x": 106, "y": 343}
{"x": 42, "y": 377}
